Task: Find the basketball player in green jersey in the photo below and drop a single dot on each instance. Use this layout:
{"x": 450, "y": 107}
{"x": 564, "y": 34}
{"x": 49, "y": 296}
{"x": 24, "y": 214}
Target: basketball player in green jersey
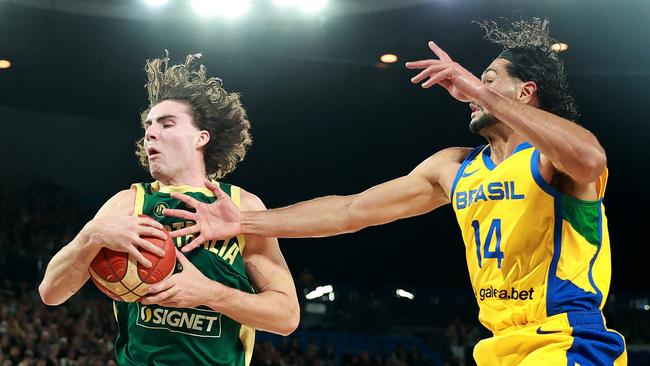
{"x": 529, "y": 205}
{"x": 205, "y": 313}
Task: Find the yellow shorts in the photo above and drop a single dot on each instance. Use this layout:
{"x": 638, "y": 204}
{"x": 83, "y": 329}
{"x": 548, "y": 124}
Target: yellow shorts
{"x": 573, "y": 339}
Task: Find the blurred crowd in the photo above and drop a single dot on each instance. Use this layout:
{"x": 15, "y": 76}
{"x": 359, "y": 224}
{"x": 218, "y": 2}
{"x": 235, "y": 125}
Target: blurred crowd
{"x": 79, "y": 333}
{"x": 291, "y": 352}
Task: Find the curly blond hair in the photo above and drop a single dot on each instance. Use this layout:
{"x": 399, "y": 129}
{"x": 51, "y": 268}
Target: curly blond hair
{"x": 212, "y": 109}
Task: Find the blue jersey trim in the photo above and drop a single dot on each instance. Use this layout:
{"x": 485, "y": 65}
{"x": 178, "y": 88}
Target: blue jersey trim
{"x": 487, "y": 160}
{"x": 461, "y": 170}
{"x": 551, "y": 306}
{"x": 534, "y": 168}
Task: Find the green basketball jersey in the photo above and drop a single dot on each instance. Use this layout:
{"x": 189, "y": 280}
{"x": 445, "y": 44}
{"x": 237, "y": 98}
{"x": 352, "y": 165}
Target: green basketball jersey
{"x": 158, "y": 335}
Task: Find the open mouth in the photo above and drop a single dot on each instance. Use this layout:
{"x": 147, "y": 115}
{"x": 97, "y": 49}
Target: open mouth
{"x": 152, "y": 153}
{"x": 475, "y": 109}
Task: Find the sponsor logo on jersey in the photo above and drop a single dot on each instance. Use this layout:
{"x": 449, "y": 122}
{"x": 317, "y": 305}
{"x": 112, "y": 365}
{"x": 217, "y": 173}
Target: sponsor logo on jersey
{"x": 504, "y": 294}
{"x": 194, "y": 322}
{"x": 492, "y": 191}
{"x": 158, "y": 209}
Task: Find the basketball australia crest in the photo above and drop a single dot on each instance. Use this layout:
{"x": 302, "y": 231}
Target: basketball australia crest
{"x": 158, "y": 209}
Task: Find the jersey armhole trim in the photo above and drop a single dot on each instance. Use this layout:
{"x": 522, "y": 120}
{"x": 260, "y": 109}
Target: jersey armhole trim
{"x": 139, "y": 199}
{"x": 537, "y": 176}
{"x": 461, "y": 170}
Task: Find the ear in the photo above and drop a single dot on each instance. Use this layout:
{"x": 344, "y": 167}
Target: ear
{"x": 203, "y": 138}
{"x": 527, "y": 92}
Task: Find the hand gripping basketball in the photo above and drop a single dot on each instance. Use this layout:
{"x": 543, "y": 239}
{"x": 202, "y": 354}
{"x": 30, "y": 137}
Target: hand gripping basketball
{"x": 123, "y": 277}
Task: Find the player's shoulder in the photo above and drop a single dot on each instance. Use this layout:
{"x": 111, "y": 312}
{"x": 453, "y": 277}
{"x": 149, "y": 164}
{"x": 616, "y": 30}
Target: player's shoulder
{"x": 250, "y": 202}
{"x": 450, "y": 156}
{"x": 454, "y": 154}
{"x": 121, "y": 202}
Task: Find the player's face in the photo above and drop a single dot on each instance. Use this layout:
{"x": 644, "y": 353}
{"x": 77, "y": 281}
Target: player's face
{"x": 171, "y": 140}
{"x": 495, "y": 76}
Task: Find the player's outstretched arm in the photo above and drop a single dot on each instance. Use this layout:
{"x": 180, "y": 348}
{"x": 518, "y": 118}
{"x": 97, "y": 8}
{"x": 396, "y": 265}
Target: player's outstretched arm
{"x": 113, "y": 227}
{"x": 421, "y": 191}
{"x": 273, "y": 308}
{"x": 570, "y": 148}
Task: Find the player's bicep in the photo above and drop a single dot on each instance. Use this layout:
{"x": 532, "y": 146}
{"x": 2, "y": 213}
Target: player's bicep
{"x": 266, "y": 266}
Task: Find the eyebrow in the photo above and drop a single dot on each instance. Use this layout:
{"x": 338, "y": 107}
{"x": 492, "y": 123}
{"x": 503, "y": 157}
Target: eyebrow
{"x": 166, "y": 116}
{"x": 488, "y": 70}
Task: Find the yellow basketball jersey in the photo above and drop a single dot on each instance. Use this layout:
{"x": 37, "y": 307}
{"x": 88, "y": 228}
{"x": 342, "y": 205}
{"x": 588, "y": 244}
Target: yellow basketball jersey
{"x": 532, "y": 252}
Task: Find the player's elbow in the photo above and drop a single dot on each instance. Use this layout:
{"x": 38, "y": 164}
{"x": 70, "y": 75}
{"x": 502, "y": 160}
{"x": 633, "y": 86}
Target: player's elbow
{"x": 288, "y": 320}
{"x": 291, "y": 321}
{"x": 48, "y": 296}
{"x": 591, "y": 167}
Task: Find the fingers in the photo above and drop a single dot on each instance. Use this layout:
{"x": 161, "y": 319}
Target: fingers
{"x": 151, "y": 232}
{"x": 193, "y": 244}
{"x": 186, "y": 231}
{"x": 435, "y": 79}
{"x": 421, "y": 64}
{"x": 181, "y": 214}
{"x": 431, "y": 70}
{"x": 191, "y": 202}
{"x": 150, "y": 247}
{"x": 439, "y": 52}
{"x": 181, "y": 258}
{"x": 216, "y": 189}
{"x": 138, "y": 256}
{"x": 161, "y": 298}
{"x": 162, "y": 286}
{"x": 148, "y": 221}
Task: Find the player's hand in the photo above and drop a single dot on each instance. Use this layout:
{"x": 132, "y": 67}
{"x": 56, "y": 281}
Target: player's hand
{"x": 186, "y": 289}
{"x": 124, "y": 233}
{"x": 218, "y": 220}
{"x": 460, "y": 83}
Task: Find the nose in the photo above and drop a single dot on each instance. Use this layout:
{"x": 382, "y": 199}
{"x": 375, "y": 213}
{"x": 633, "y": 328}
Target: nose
{"x": 151, "y": 133}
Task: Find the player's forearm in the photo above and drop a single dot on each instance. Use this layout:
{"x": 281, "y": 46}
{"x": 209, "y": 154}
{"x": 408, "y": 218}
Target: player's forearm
{"x": 269, "y": 311}
{"x": 67, "y": 272}
{"x": 571, "y": 148}
{"x": 323, "y": 216}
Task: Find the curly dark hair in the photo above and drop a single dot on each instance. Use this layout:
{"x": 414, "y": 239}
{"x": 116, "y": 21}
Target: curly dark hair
{"x": 527, "y": 45}
{"x": 212, "y": 109}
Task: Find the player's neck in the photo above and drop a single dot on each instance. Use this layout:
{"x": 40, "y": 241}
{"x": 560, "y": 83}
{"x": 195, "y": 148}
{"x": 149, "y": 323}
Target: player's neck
{"x": 186, "y": 177}
{"x": 503, "y": 141}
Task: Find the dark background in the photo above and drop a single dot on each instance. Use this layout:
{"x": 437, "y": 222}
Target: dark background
{"x": 327, "y": 118}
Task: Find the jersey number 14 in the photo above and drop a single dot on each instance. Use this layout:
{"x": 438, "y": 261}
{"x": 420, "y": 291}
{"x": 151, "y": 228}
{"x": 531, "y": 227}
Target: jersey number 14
{"x": 494, "y": 230}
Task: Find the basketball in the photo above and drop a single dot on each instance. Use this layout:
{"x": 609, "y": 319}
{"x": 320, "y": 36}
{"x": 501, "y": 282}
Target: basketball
{"x": 122, "y": 278}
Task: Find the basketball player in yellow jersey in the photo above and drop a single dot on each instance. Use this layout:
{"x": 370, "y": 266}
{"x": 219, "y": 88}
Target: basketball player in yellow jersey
{"x": 529, "y": 205}
{"x": 193, "y": 129}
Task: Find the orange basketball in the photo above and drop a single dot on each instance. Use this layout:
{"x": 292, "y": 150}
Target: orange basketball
{"x": 122, "y": 278}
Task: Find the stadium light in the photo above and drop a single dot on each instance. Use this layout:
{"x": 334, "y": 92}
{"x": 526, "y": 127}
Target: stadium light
{"x": 404, "y": 293}
{"x": 559, "y": 47}
{"x": 227, "y": 8}
{"x": 388, "y": 58}
{"x": 5, "y": 64}
{"x": 320, "y": 291}
{"x": 156, "y": 2}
